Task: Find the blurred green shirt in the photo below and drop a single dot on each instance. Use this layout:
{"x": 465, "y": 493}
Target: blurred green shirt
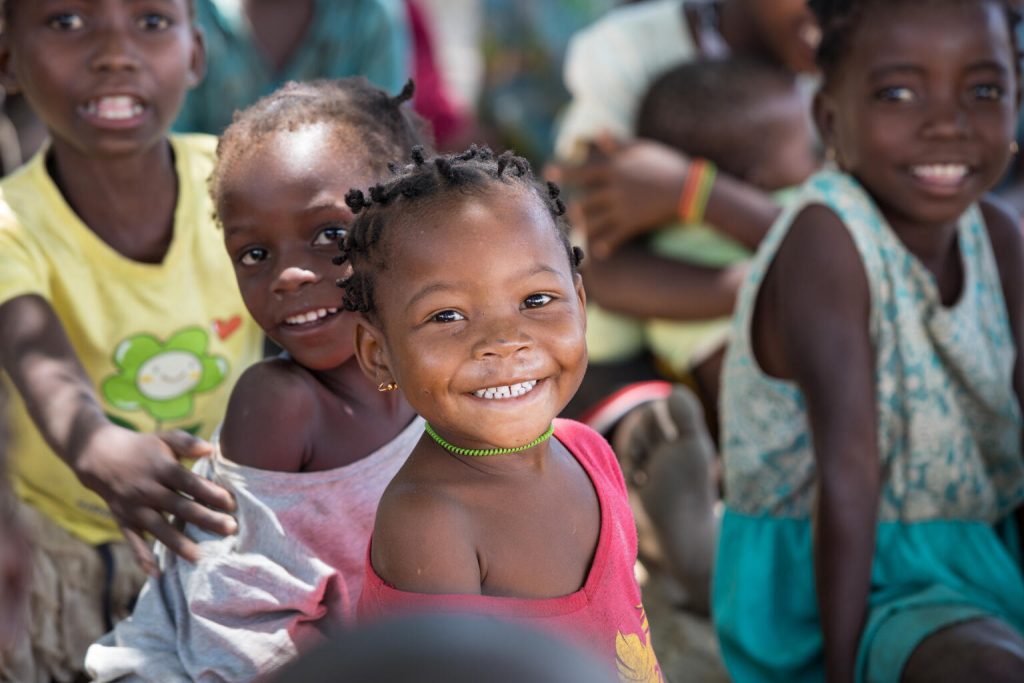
{"x": 345, "y": 38}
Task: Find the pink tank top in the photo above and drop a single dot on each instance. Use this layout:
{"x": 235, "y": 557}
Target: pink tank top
{"x": 606, "y": 615}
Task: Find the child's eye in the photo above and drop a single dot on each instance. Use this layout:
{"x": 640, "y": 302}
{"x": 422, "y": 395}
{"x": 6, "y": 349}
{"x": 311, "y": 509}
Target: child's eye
{"x": 896, "y": 94}
{"x": 65, "y": 21}
{"x": 537, "y": 300}
{"x": 250, "y": 257}
{"x": 989, "y": 92}
{"x": 447, "y": 316}
{"x": 330, "y": 236}
{"x": 154, "y": 22}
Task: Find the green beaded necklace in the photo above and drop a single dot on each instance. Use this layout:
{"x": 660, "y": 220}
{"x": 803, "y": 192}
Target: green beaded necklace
{"x": 483, "y": 452}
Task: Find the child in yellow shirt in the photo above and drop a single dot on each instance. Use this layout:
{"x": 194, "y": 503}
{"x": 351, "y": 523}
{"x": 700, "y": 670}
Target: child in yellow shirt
{"x": 119, "y": 312}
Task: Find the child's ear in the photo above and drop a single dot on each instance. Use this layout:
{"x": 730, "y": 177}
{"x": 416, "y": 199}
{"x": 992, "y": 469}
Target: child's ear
{"x": 7, "y": 78}
{"x": 372, "y": 353}
{"x": 197, "y": 67}
{"x": 581, "y": 293}
{"x": 824, "y": 113}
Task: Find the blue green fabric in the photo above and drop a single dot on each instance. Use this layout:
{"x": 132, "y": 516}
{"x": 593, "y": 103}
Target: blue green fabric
{"x": 949, "y": 428}
{"x": 345, "y": 38}
{"x": 924, "y": 576}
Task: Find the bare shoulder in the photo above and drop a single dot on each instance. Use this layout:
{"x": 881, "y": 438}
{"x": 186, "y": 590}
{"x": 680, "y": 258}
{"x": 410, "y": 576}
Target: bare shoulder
{"x": 815, "y": 292}
{"x": 819, "y": 243}
{"x": 269, "y": 415}
{"x": 423, "y": 540}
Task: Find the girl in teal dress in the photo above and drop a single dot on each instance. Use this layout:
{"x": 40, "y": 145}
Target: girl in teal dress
{"x": 871, "y": 407}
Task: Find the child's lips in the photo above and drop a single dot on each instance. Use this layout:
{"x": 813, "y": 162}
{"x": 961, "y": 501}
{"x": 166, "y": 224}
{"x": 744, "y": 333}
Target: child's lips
{"x": 306, "y": 317}
{"x": 506, "y": 391}
{"x": 945, "y": 178}
{"x": 122, "y": 110}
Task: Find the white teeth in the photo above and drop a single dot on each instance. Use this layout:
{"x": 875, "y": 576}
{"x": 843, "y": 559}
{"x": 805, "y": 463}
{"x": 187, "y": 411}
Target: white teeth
{"x": 508, "y": 391}
{"x": 114, "y": 108}
{"x": 310, "y": 316}
{"x": 944, "y": 174}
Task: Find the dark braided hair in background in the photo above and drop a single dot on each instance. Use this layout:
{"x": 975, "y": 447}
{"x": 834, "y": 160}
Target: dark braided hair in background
{"x": 411, "y": 188}
{"x": 381, "y": 123}
{"x": 839, "y": 20}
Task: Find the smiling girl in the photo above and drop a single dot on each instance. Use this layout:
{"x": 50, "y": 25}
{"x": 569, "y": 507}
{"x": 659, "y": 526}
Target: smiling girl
{"x": 872, "y": 394}
{"x": 471, "y": 303}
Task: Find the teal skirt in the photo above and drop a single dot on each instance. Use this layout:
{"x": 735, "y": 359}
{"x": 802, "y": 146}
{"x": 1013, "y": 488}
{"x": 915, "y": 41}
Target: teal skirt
{"x": 925, "y": 576}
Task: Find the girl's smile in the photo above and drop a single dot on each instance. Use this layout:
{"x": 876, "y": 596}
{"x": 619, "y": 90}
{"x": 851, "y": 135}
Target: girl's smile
{"x": 115, "y": 112}
{"x": 506, "y": 391}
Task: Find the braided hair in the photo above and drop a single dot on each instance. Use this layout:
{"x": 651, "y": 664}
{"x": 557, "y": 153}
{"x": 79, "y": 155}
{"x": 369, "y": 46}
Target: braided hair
{"x": 385, "y": 127}
{"x": 840, "y": 19}
{"x": 424, "y": 180}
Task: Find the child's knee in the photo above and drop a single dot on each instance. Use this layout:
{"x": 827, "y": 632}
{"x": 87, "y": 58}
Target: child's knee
{"x": 982, "y": 650}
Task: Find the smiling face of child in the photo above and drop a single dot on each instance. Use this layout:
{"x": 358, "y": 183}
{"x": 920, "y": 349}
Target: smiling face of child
{"x": 922, "y": 107}
{"x": 480, "y": 318}
{"x": 107, "y": 77}
{"x": 282, "y": 205}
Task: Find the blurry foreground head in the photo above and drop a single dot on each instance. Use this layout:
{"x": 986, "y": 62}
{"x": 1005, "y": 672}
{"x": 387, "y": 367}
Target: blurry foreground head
{"x": 445, "y": 649}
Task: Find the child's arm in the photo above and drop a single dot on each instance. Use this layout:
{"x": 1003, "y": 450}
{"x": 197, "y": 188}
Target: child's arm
{"x": 270, "y": 418}
{"x": 136, "y": 474}
{"x": 641, "y": 284}
{"x": 1008, "y": 246}
{"x": 812, "y": 326}
{"x": 423, "y": 543}
{"x": 629, "y": 189}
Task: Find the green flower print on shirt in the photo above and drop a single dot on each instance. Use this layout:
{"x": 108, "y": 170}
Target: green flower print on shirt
{"x": 163, "y": 378}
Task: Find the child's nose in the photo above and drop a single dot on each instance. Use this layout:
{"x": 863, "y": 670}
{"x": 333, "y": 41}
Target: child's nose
{"x": 502, "y": 340}
{"x": 947, "y": 118}
{"x": 114, "y": 50}
{"x": 294, "y": 278}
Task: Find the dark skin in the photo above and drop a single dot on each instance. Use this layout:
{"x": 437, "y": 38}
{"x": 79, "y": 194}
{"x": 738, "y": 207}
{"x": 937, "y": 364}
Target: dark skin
{"x": 283, "y": 210}
{"x": 278, "y": 27}
{"x": 901, "y": 102}
{"x": 639, "y": 283}
{"x": 627, "y": 189}
{"x": 456, "y": 315}
{"x": 636, "y": 282}
{"x": 73, "y": 62}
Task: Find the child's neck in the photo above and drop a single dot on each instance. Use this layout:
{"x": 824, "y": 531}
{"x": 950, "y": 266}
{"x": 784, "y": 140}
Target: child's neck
{"x": 936, "y": 247}
{"x": 526, "y": 463}
{"x": 348, "y": 383}
{"x": 127, "y": 202}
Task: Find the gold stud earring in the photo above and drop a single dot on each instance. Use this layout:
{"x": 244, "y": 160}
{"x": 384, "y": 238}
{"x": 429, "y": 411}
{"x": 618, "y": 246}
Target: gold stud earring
{"x": 1014, "y": 147}
{"x": 387, "y": 386}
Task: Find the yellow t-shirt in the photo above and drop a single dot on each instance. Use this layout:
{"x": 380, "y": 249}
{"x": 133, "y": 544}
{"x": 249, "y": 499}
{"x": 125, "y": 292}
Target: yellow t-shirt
{"x": 163, "y": 343}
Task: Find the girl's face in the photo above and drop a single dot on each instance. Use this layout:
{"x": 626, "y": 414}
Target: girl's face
{"x": 481, "y": 319}
{"x": 283, "y": 210}
{"x": 922, "y": 108}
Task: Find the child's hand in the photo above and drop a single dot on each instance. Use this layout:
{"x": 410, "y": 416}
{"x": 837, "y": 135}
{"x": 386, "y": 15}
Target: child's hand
{"x": 15, "y": 570}
{"x": 623, "y": 190}
{"x": 139, "y": 477}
